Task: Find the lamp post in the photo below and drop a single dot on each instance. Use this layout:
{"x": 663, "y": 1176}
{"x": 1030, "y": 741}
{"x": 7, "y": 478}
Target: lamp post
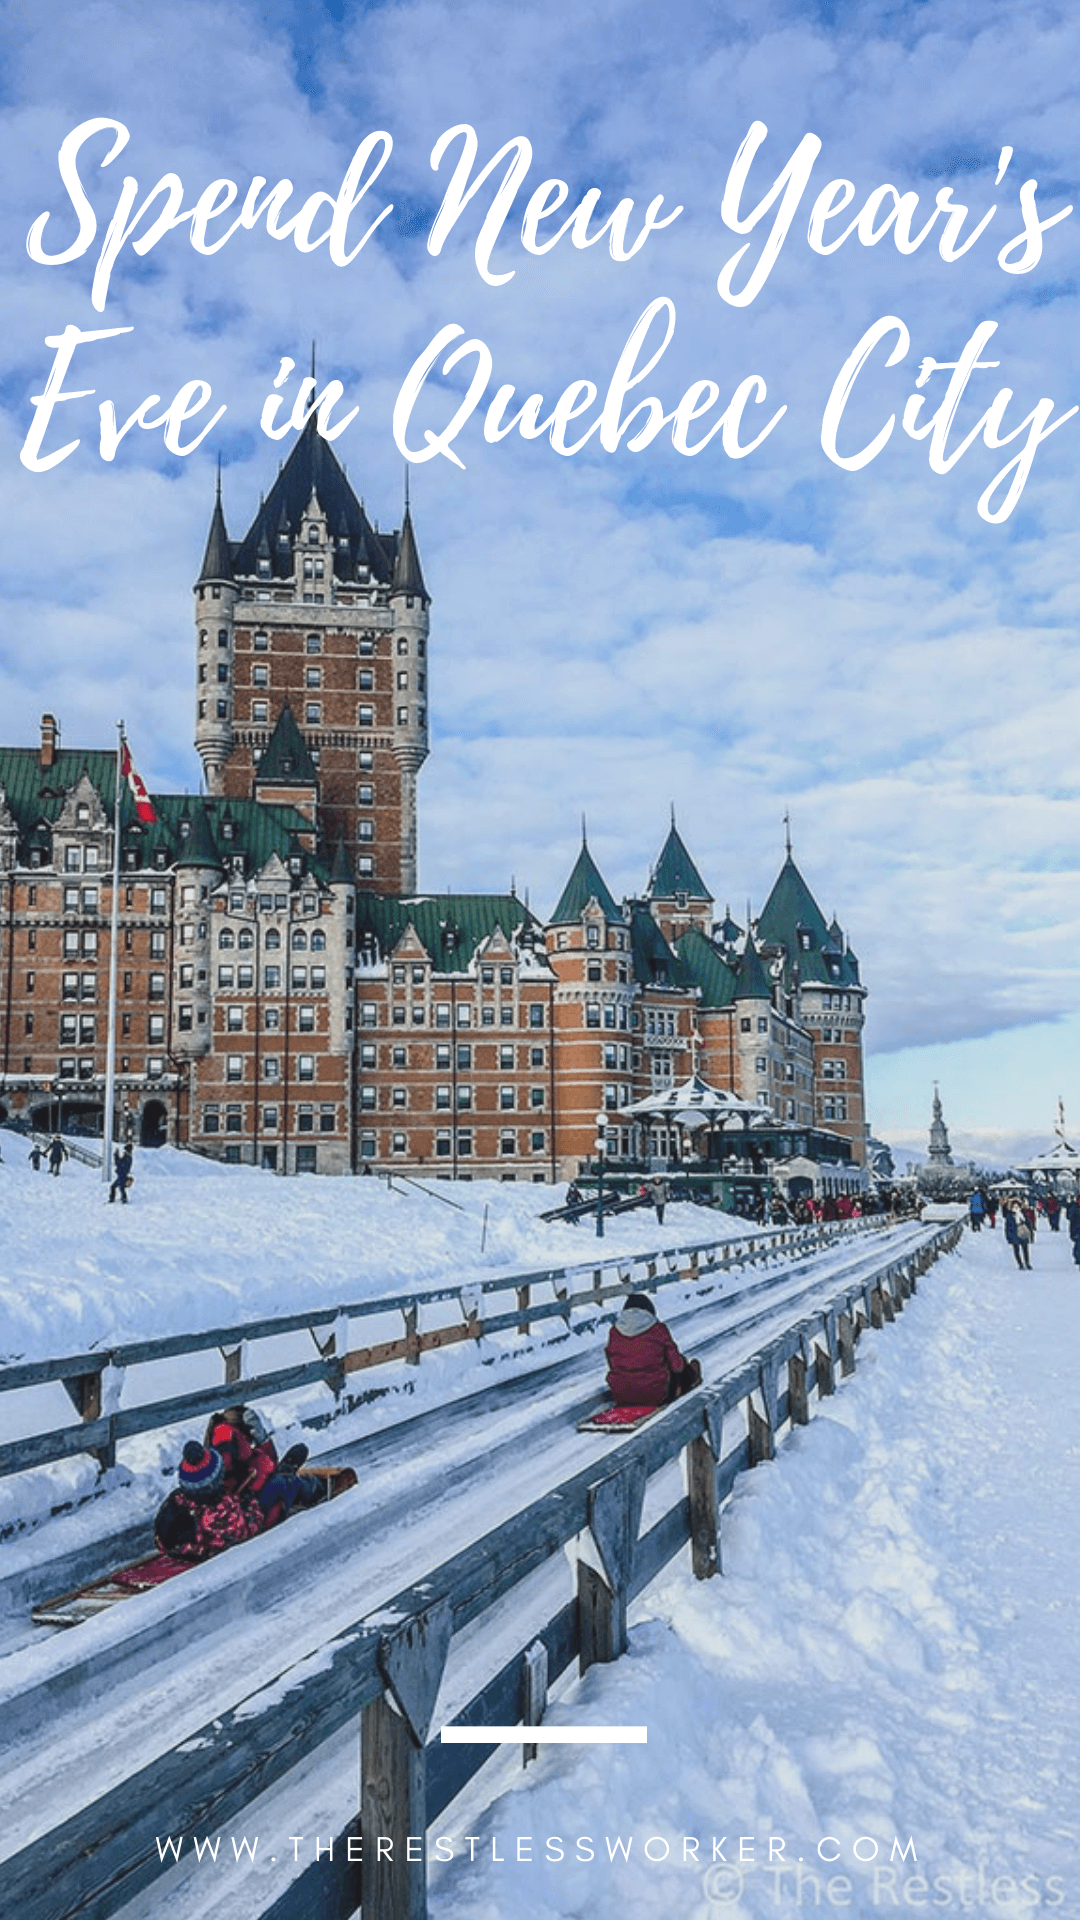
{"x": 600, "y": 1144}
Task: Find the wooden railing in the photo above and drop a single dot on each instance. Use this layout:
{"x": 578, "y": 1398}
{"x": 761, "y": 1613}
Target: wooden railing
{"x": 385, "y": 1666}
{"x": 95, "y": 1380}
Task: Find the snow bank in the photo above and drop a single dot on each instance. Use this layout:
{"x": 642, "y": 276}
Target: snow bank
{"x": 202, "y": 1245}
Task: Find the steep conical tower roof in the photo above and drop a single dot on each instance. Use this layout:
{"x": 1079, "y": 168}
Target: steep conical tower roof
{"x": 197, "y": 848}
{"x": 753, "y": 982}
{"x": 586, "y": 883}
{"x": 340, "y": 874}
{"x": 675, "y": 872}
{"x": 791, "y": 905}
{"x": 407, "y": 575}
{"x": 217, "y": 560}
{"x": 286, "y": 761}
{"x": 313, "y": 468}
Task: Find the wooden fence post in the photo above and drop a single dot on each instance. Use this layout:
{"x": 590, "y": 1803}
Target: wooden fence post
{"x": 702, "y": 1456}
{"x": 393, "y": 1795}
{"x": 845, "y": 1336}
{"x": 232, "y": 1357}
{"x": 614, "y": 1517}
{"x": 84, "y": 1392}
{"x": 534, "y": 1676}
{"x": 798, "y": 1399}
{"x": 523, "y": 1297}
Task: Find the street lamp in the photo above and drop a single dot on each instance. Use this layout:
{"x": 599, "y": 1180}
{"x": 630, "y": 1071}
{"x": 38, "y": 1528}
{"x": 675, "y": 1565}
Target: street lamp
{"x": 600, "y": 1143}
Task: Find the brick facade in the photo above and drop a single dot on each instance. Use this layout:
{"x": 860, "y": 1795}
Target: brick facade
{"x": 285, "y": 996}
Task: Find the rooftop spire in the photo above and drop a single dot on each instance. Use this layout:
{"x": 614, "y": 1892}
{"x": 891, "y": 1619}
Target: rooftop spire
{"x": 407, "y": 575}
{"x": 217, "y": 560}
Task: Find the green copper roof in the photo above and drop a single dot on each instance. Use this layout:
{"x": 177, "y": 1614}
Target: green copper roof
{"x": 789, "y": 906}
{"x": 704, "y": 967}
{"x": 217, "y": 827}
{"x": 655, "y": 964}
{"x": 792, "y": 919}
{"x": 449, "y": 926}
{"x": 286, "y": 761}
{"x": 675, "y": 872}
{"x": 585, "y": 883}
{"x": 753, "y": 982}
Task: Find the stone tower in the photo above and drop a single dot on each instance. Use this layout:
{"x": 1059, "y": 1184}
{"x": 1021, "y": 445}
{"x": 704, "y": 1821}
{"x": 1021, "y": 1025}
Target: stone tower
{"x": 940, "y": 1150}
{"x": 316, "y": 609}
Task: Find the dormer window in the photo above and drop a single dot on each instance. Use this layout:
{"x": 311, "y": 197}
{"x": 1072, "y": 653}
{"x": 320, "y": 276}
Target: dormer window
{"x": 313, "y": 536}
{"x": 804, "y": 939}
{"x": 82, "y": 814}
{"x": 185, "y": 829}
{"x": 263, "y": 568}
{"x": 228, "y": 830}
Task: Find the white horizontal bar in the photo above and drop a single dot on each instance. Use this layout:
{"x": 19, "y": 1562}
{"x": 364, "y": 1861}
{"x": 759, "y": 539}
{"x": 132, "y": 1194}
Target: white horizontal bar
{"x": 545, "y": 1736}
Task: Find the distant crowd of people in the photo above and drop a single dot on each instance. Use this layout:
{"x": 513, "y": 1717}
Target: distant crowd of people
{"x": 1021, "y": 1216}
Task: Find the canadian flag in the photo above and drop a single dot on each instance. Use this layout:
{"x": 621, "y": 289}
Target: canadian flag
{"x": 143, "y": 804}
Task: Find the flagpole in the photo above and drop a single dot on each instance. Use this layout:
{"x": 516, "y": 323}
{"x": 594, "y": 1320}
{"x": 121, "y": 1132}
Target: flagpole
{"x": 108, "y": 1120}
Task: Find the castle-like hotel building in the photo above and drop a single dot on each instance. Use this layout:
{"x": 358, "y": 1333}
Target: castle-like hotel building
{"x": 287, "y": 998}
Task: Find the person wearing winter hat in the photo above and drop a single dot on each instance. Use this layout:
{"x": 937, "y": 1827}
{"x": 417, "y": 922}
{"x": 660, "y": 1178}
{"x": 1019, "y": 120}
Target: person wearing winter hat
{"x": 645, "y": 1367}
{"x": 202, "y": 1516}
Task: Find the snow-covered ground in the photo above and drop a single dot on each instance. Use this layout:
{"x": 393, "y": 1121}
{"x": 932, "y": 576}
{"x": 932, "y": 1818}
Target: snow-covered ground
{"x": 201, "y": 1245}
{"x": 889, "y": 1663}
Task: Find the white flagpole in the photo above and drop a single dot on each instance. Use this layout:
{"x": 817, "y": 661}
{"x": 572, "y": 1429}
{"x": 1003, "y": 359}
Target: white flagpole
{"x": 114, "y": 942}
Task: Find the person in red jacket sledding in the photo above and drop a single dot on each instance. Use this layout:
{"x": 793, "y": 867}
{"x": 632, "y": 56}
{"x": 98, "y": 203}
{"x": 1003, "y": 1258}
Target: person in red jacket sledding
{"x": 252, "y": 1468}
{"x": 645, "y": 1367}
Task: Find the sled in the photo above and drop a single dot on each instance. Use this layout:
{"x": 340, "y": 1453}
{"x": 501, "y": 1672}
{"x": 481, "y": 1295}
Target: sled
{"x": 141, "y": 1576}
{"x": 619, "y": 1419}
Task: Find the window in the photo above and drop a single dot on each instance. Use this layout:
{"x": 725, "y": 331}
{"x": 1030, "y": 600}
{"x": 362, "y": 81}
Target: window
{"x": 313, "y": 676}
{"x": 307, "y": 1159}
{"x": 260, "y": 712}
{"x": 89, "y": 899}
{"x": 365, "y": 796}
{"x": 442, "y": 1097}
{"x": 464, "y": 1145}
{"x": 536, "y": 1096}
{"x": 592, "y": 936}
{"x": 403, "y": 716}
{"x": 464, "y": 1097}
{"x": 225, "y": 976}
{"x": 506, "y": 1099}
{"x": 261, "y": 642}
{"x": 365, "y": 716}
{"x": 305, "y": 1066}
{"x": 234, "y": 1067}
{"x": 399, "y": 1143}
{"x": 365, "y": 866}
{"x": 305, "y": 1120}
{"x": 270, "y": 1119}
{"x": 366, "y": 830}
{"x": 313, "y": 714}
{"x": 399, "y": 1097}
{"x": 273, "y": 936}
{"x": 313, "y": 644}
{"x": 327, "y": 1119}
{"x": 537, "y": 1142}
{"x": 365, "y": 680}
{"x": 271, "y": 1067}
{"x": 507, "y": 1143}
{"x": 592, "y": 1013}
{"x": 211, "y": 1120}
{"x": 299, "y": 976}
{"x": 536, "y": 1015}
{"x": 234, "y": 1020}
{"x": 442, "y": 1146}
{"x": 305, "y": 1019}
{"x": 506, "y": 1057}
{"x": 399, "y": 1056}
{"x": 368, "y": 1013}
{"x": 260, "y": 675}
{"x": 464, "y": 1016}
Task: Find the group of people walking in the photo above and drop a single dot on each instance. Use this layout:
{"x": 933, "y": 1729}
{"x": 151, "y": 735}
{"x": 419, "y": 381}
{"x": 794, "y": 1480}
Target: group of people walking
{"x": 54, "y": 1155}
{"x": 1020, "y": 1218}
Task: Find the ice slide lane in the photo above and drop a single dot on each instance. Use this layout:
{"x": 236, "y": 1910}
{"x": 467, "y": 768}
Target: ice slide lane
{"x": 85, "y": 1709}
{"x": 52, "y": 1566}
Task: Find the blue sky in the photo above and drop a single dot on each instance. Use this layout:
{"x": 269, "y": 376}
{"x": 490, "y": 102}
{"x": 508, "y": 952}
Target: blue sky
{"x": 618, "y": 630}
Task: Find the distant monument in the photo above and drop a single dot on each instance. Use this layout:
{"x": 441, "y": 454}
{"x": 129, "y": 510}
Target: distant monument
{"x": 940, "y": 1151}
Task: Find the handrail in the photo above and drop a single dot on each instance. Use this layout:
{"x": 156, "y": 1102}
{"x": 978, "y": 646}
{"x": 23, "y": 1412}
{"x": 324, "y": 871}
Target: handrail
{"x": 94, "y": 1376}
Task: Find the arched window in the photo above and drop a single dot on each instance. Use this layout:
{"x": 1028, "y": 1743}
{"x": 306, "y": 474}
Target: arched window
{"x": 299, "y": 938}
{"x": 318, "y": 941}
{"x": 245, "y": 938}
{"x": 273, "y": 939}
{"x": 226, "y": 937}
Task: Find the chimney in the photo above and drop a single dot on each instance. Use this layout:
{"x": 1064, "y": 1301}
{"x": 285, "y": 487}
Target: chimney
{"x": 50, "y": 739}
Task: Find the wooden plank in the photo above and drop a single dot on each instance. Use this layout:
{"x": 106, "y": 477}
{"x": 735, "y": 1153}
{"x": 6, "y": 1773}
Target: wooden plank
{"x": 845, "y": 1334}
{"x": 704, "y": 1509}
{"x": 393, "y": 1809}
{"x": 798, "y": 1398}
{"x": 759, "y": 1435}
{"x": 823, "y": 1372}
{"x": 601, "y": 1619}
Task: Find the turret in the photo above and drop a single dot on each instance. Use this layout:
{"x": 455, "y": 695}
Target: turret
{"x": 409, "y": 614}
{"x": 215, "y": 606}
